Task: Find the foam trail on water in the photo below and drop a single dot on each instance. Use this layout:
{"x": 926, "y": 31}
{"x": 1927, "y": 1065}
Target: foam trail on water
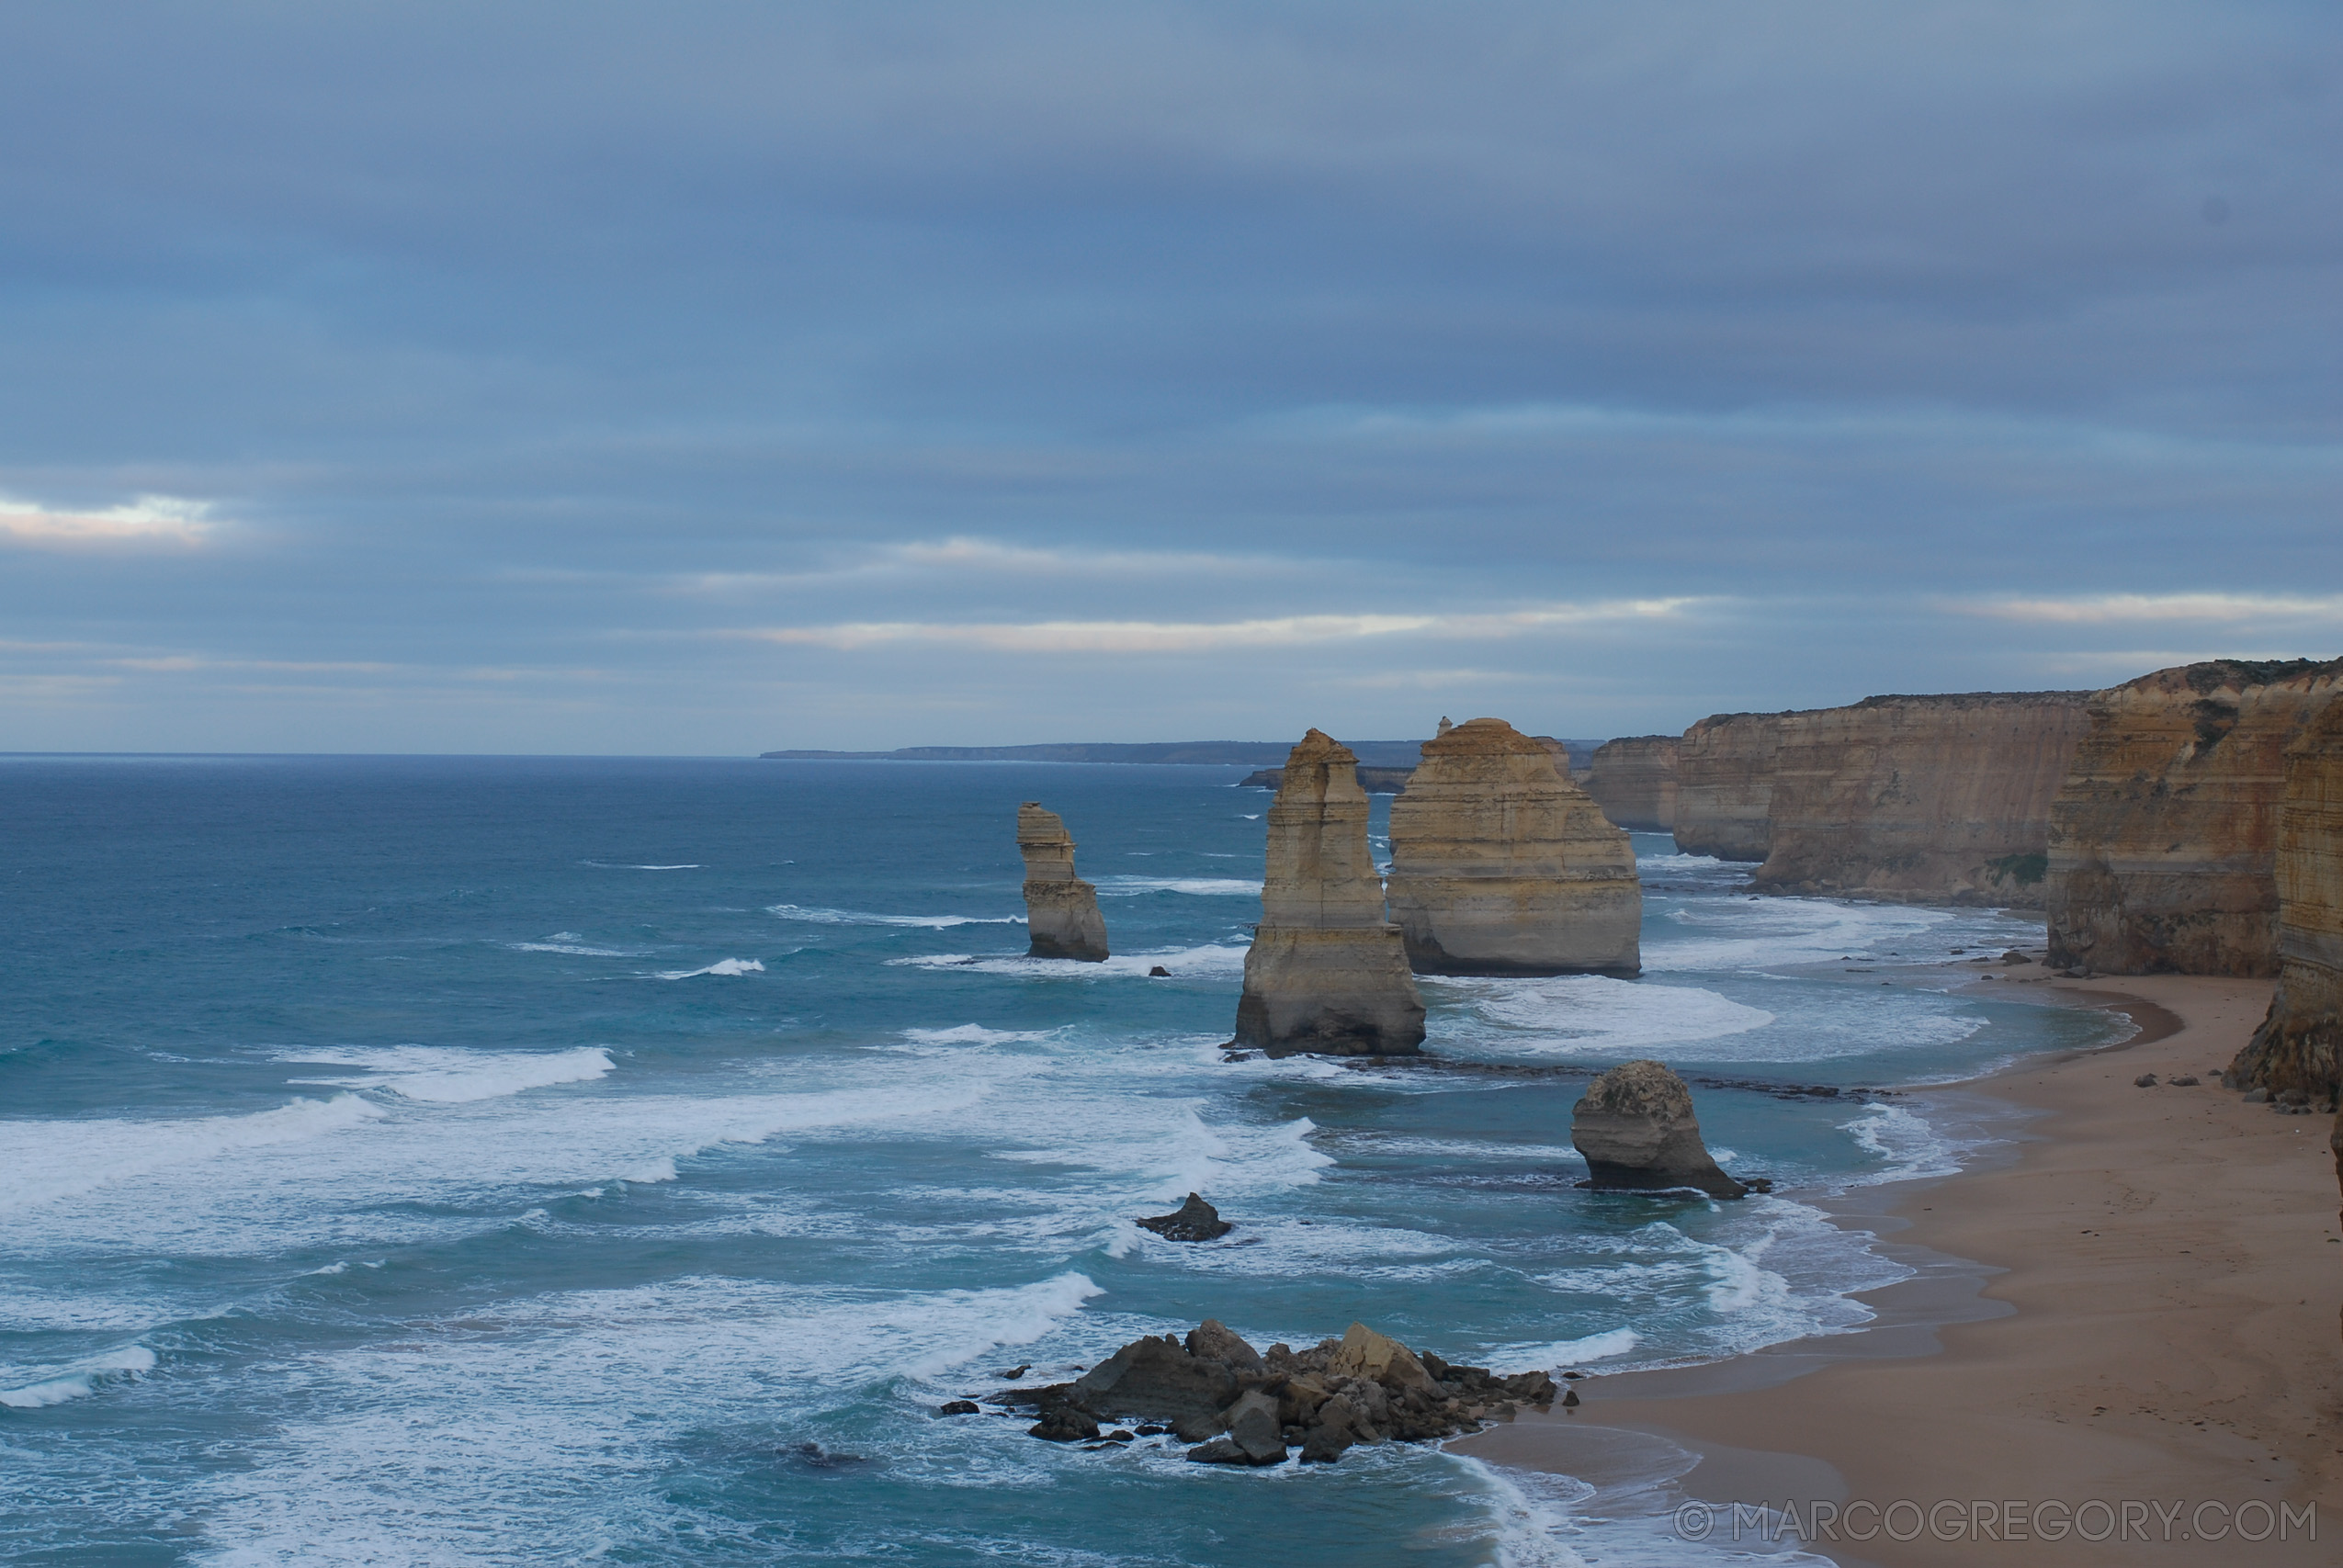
{"x": 609, "y": 865}
{"x": 1205, "y": 887}
{"x": 722, "y": 967}
{"x": 859, "y": 917}
{"x": 1214, "y": 958}
{"x": 1567, "y": 1352}
{"x": 452, "y": 1076}
{"x": 80, "y": 1380}
{"x": 41, "y": 1162}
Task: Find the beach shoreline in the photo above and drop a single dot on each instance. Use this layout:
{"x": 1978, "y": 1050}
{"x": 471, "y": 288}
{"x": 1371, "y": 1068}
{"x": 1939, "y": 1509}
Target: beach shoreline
{"x": 2128, "y": 1299}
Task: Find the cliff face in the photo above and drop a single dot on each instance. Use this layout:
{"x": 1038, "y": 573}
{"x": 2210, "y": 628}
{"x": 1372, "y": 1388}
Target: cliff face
{"x": 2299, "y": 1047}
{"x": 1935, "y": 798}
{"x": 1635, "y": 783}
{"x": 1500, "y": 865}
{"x": 1326, "y": 973}
{"x": 2164, "y": 840}
{"x": 1725, "y": 785}
{"x": 1061, "y": 909}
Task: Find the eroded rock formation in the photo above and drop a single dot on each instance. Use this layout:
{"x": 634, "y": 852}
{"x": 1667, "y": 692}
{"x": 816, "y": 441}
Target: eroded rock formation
{"x": 1725, "y": 785}
{"x": 2163, "y": 850}
{"x": 1636, "y": 1129}
{"x": 1241, "y": 1406}
{"x": 1634, "y": 780}
{"x": 1937, "y": 799}
{"x": 1326, "y": 972}
{"x": 1061, "y": 909}
{"x": 2299, "y": 1048}
{"x": 1500, "y": 865}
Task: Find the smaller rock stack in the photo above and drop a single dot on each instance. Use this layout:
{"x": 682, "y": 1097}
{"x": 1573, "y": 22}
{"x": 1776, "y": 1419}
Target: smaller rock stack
{"x": 1636, "y": 1129}
{"x": 1326, "y": 973}
{"x": 1061, "y": 909}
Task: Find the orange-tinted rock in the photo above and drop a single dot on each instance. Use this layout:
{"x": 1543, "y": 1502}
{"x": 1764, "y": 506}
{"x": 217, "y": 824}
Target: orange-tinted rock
{"x": 1502, "y": 865}
{"x": 2164, "y": 840}
{"x": 1929, "y": 799}
{"x": 1634, "y": 780}
{"x": 1061, "y": 909}
{"x": 1725, "y": 785}
{"x": 2300, "y": 1046}
{"x": 1326, "y": 972}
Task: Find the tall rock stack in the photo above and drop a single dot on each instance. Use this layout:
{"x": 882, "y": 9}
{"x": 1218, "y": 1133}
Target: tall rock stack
{"x": 1500, "y": 865}
{"x": 1326, "y": 972}
{"x": 2163, "y": 852}
{"x": 1725, "y": 785}
{"x": 1061, "y": 909}
{"x": 1942, "y": 799}
{"x": 1634, "y": 780}
{"x": 2299, "y": 1048}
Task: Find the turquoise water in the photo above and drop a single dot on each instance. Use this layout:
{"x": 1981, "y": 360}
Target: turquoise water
{"x": 460, "y": 1160}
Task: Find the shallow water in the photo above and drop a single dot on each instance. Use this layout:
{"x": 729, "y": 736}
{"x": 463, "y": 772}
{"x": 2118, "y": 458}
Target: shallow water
{"x": 487, "y": 1160}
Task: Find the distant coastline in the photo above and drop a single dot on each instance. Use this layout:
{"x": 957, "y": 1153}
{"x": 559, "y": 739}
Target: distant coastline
{"x": 1222, "y": 753}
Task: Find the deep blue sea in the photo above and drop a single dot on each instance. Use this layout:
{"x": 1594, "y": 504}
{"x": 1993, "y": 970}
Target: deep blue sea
{"x": 544, "y": 1160}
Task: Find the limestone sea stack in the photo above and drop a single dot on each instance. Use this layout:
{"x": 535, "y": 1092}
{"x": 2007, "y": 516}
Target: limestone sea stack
{"x": 2297, "y": 1051}
{"x": 1326, "y": 972}
{"x": 2163, "y": 851}
{"x": 1634, "y": 780}
{"x": 1936, "y": 799}
{"x": 1061, "y": 909}
{"x": 1725, "y": 785}
{"x": 1636, "y": 1129}
{"x": 1502, "y": 865}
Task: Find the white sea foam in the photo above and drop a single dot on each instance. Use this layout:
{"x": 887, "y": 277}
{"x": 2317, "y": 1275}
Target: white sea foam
{"x": 55, "y": 1385}
{"x": 1565, "y": 1352}
{"x": 609, "y": 865}
{"x": 722, "y": 967}
{"x": 1678, "y": 862}
{"x": 1910, "y": 1146}
{"x": 977, "y": 1034}
{"x": 449, "y": 1074}
{"x": 1215, "y": 959}
{"x": 1203, "y": 886}
{"x": 556, "y": 945}
{"x": 1744, "y": 934}
{"x": 1592, "y": 1015}
{"x": 44, "y": 1161}
{"x": 820, "y": 917}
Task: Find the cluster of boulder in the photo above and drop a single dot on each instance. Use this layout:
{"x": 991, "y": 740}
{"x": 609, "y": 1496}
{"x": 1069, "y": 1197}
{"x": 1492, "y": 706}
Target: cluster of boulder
{"x": 1238, "y": 1405}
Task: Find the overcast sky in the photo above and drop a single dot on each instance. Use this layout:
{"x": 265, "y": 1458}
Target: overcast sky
{"x": 712, "y": 378}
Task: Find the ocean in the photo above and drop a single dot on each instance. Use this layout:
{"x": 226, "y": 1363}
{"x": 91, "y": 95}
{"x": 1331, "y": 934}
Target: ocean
{"x": 422, "y": 1160}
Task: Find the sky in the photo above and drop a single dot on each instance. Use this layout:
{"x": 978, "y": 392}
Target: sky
{"x": 712, "y": 378}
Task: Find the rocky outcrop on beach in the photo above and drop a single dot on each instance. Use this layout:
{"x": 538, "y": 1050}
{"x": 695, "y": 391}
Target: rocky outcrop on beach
{"x": 1502, "y": 865}
{"x": 1061, "y": 909}
{"x": 1934, "y": 799}
{"x": 1634, "y": 780}
{"x": 2163, "y": 851}
{"x": 1241, "y": 1407}
{"x": 1636, "y": 1129}
{"x": 1326, "y": 972}
{"x": 2298, "y": 1052}
{"x": 1725, "y": 785}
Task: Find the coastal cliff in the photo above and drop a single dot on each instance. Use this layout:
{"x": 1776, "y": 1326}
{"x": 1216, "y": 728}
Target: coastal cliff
{"x": 1920, "y": 798}
{"x": 1502, "y": 865}
{"x": 1634, "y": 780}
{"x": 2164, "y": 838}
{"x": 1725, "y": 785}
{"x": 1326, "y": 973}
{"x": 1061, "y": 909}
{"x": 2299, "y": 1048}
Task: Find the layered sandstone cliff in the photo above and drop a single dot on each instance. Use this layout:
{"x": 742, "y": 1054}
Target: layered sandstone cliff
{"x": 2299, "y": 1048}
{"x": 1634, "y": 780}
{"x": 2163, "y": 850}
{"x": 1061, "y": 909}
{"x": 1326, "y": 972}
{"x": 1502, "y": 865}
{"x": 1937, "y": 799}
{"x": 1725, "y": 785}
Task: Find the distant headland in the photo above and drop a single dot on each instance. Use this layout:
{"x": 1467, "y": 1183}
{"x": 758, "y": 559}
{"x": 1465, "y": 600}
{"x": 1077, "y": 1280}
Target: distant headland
{"x": 1223, "y": 753}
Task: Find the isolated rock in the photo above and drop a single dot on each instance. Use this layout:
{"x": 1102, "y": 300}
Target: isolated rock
{"x": 1636, "y": 1129}
{"x": 1500, "y": 865}
{"x": 1325, "y": 973}
{"x": 1194, "y": 1219}
{"x": 1634, "y": 780}
{"x": 2299, "y": 1047}
{"x": 1061, "y": 909}
{"x": 2164, "y": 840}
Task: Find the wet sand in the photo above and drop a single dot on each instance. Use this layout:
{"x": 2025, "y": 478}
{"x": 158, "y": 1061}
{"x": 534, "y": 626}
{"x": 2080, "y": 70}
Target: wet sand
{"x": 2127, "y": 1313}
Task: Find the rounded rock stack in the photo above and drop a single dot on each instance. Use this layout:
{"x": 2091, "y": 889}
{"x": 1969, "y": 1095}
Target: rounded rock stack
{"x": 1502, "y": 865}
{"x": 1326, "y": 973}
{"x": 1061, "y": 909}
{"x": 1636, "y": 1129}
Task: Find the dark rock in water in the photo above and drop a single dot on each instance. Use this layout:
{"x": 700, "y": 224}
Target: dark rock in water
{"x": 1758, "y": 1183}
{"x": 1254, "y": 1427}
{"x": 1158, "y": 1378}
{"x": 1158, "y": 973}
{"x": 959, "y": 1407}
{"x": 813, "y": 1456}
{"x": 1122, "y": 1435}
{"x": 1194, "y": 1219}
{"x": 1015, "y": 1372}
{"x": 2145, "y": 1081}
{"x": 1153, "y": 1429}
{"x": 1636, "y": 1129}
{"x": 1064, "y": 1421}
{"x": 1220, "y": 1450}
{"x": 1215, "y": 1341}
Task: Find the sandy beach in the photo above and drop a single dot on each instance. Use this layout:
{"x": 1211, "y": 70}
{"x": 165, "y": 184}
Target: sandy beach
{"x": 2124, "y": 1327}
